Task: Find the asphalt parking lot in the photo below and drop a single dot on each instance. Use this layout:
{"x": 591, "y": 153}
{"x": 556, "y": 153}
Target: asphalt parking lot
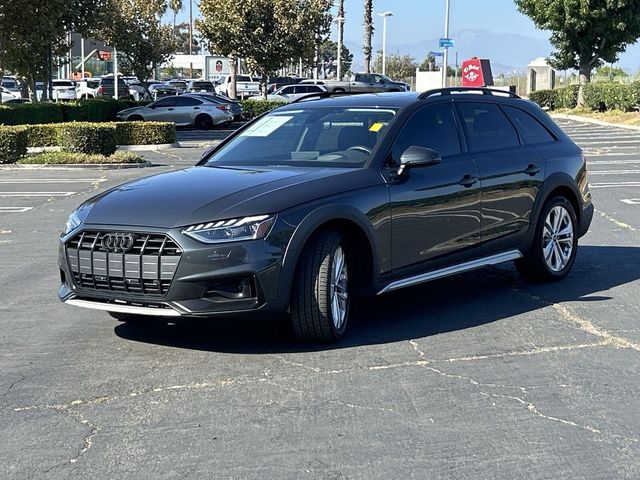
{"x": 478, "y": 376}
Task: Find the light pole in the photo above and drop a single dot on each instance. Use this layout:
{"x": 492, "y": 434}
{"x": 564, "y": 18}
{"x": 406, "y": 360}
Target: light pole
{"x": 384, "y": 15}
{"x": 339, "y": 21}
{"x": 445, "y": 62}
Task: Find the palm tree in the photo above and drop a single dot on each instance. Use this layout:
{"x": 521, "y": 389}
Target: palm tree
{"x": 368, "y": 33}
{"x": 175, "y": 6}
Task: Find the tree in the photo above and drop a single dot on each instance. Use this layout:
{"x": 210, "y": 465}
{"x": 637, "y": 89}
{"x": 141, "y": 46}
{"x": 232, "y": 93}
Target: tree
{"x": 266, "y": 33}
{"x": 584, "y": 34}
{"x": 398, "y": 66}
{"x": 328, "y": 54}
{"x": 611, "y": 72}
{"x": 175, "y": 6}
{"x": 34, "y": 33}
{"x": 429, "y": 64}
{"x": 368, "y": 33}
{"x": 181, "y": 39}
{"x": 135, "y": 31}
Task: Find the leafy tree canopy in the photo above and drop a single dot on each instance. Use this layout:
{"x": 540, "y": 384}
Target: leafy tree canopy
{"x": 398, "y": 66}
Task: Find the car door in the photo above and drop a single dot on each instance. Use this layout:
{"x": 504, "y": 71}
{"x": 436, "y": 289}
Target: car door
{"x": 162, "y": 110}
{"x": 510, "y": 172}
{"x": 186, "y": 110}
{"x": 362, "y": 83}
{"x": 435, "y": 210}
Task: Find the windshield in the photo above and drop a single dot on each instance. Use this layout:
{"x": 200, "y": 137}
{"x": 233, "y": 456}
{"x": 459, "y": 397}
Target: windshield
{"x": 308, "y": 137}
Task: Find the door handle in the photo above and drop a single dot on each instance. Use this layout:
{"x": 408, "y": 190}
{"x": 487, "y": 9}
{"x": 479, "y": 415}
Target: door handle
{"x": 196, "y": 108}
{"x": 532, "y": 169}
{"x": 170, "y": 109}
{"x": 468, "y": 180}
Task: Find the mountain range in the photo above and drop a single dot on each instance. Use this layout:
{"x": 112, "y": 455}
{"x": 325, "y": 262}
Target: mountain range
{"x": 508, "y": 52}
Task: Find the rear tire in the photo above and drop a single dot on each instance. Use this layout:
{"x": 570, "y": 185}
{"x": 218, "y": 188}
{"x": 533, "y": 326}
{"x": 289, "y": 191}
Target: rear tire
{"x": 320, "y": 299}
{"x": 203, "y": 122}
{"x": 555, "y": 243}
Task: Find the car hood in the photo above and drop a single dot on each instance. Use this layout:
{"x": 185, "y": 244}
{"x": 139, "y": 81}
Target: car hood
{"x": 202, "y": 194}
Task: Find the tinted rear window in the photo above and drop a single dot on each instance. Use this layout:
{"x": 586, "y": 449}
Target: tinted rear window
{"x": 62, "y": 83}
{"x": 532, "y": 130}
{"x": 243, "y": 78}
{"x": 487, "y": 128}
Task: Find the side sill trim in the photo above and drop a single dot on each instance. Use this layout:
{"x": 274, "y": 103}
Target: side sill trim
{"x": 452, "y": 270}
{"x": 114, "y": 307}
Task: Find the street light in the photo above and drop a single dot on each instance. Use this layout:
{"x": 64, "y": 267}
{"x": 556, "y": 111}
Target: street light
{"x": 445, "y": 62}
{"x": 384, "y": 15}
{"x": 339, "y": 21}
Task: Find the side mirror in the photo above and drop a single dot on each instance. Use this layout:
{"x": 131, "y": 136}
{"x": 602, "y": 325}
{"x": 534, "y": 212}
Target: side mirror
{"x": 415, "y": 156}
{"x": 381, "y": 80}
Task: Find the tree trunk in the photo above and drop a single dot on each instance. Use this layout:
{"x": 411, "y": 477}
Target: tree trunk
{"x": 368, "y": 33}
{"x": 585, "y": 77}
{"x": 231, "y": 88}
{"x": 341, "y": 34}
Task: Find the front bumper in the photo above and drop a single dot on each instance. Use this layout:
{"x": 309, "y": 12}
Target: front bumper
{"x": 235, "y": 279}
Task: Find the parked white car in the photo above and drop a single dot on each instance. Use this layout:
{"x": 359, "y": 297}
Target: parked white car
{"x": 289, "y": 93}
{"x": 64, "y": 90}
{"x": 86, "y": 88}
{"x": 7, "y": 95}
{"x": 245, "y": 86}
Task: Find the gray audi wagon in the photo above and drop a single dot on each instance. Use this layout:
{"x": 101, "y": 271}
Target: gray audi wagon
{"x": 330, "y": 197}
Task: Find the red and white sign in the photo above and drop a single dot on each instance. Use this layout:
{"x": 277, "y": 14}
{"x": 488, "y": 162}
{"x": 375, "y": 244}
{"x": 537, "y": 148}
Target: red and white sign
{"x": 472, "y": 74}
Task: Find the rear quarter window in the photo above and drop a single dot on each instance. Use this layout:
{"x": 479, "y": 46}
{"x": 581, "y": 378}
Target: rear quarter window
{"x": 486, "y": 127}
{"x": 531, "y": 130}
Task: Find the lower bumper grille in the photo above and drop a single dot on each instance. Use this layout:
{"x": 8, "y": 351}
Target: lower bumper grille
{"x": 147, "y": 268}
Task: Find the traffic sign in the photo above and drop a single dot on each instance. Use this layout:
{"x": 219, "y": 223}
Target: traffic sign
{"x": 437, "y": 54}
{"x": 446, "y": 43}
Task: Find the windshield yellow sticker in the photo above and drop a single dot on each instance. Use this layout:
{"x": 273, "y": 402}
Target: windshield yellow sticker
{"x": 376, "y": 127}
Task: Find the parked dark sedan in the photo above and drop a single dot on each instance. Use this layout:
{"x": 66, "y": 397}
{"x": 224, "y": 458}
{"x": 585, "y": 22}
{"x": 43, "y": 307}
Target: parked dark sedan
{"x": 328, "y": 198}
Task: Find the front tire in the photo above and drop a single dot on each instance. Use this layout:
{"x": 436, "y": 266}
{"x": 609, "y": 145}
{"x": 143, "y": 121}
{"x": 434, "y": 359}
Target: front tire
{"x": 555, "y": 243}
{"x": 320, "y": 300}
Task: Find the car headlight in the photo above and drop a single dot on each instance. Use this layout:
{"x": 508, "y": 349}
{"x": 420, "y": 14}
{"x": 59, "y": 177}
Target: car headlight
{"x": 233, "y": 230}
{"x": 73, "y": 222}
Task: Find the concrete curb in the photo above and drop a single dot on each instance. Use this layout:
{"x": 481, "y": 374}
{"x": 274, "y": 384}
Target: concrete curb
{"x": 147, "y": 148}
{"x": 75, "y": 166}
{"x": 595, "y": 121}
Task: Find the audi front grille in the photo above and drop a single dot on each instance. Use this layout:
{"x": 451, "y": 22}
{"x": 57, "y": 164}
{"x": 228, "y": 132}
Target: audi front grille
{"x": 103, "y": 261}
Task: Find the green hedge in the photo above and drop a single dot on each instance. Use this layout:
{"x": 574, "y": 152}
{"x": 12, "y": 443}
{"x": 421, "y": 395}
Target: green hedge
{"x": 65, "y": 158}
{"x": 254, "y": 108}
{"x": 85, "y": 137}
{"x": 30, "y": 113}
{"x": 597, "y": 96}
{"x": 13, "y": 144}
{"x": 612, "y": 96}
{"x": 103, "y": 109}
{"x": 43, "y": 135}
{"x": 145, "y": 133}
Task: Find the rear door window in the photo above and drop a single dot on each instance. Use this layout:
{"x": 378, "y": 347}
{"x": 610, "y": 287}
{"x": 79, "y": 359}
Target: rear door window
{"x": 486, "y": 127}
{"x": 531, "y": 130}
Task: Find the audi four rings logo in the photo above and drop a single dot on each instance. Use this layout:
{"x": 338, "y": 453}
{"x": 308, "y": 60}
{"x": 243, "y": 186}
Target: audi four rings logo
{"x": 118, "y": 242}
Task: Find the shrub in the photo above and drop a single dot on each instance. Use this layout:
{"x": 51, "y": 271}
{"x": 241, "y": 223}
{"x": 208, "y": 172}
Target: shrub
{"x": 43, "y": 135}
{"x": 88, "y": 138}
{"x": 31, "y": 113}
{"x": 13, "y": 144}
{"x": 612, "y": 96}
{"x": 255, "y": 108}
{"x": 545, "y": 98}
{"x": 145, "y": 133}
{"x": 60, "y": 158}
{"x": 567, "y": 97}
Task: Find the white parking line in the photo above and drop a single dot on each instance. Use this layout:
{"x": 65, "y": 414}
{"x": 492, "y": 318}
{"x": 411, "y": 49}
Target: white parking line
{"x": 612, "y": 172}
{"x": 612, "y": 162}
{"x": 614, "y": 184}
{"x": 15, "y": 209}
{"x": 36, "y": 194}
{"x": 631, "y": 201}
{"x": 51, "y": 180}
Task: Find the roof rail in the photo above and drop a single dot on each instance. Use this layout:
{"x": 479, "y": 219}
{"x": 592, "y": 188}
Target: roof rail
{"x": 320, "y": 95}
{"x": 451, "y": 90}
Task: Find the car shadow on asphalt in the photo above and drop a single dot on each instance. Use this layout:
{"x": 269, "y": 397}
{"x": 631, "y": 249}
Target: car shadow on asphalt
{"x": 462, "y": 302}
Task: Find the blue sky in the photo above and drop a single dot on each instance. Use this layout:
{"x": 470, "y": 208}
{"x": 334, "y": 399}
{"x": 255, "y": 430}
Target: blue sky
{"x": 418, "y": 20}
{"x": 415, "y": 19}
